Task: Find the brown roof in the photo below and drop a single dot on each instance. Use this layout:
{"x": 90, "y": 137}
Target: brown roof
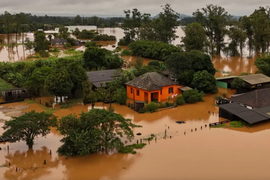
{"x": 255, "y": 79}
{"x": 151, "y": 81}
{"x": 256, "y": 99}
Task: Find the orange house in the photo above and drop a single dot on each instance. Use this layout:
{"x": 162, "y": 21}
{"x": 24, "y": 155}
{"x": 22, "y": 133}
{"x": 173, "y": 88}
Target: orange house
{"x": 152, "y": 86}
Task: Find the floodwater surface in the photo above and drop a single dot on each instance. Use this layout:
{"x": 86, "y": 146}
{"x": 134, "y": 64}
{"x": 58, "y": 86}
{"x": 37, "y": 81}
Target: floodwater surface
{"x": 224, "y": 65}
{"x": 208, "y": 153}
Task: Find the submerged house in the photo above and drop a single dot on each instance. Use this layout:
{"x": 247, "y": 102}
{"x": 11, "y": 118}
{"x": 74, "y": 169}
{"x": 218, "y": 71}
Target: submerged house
{"x": 102, "y": 77}
{"x": 13, "y": 95}
{"x": 150, "y": 87}
{"x": 252, "y": 82}
{"x": 252, "y": 107}
{"x": 58, "y": 41}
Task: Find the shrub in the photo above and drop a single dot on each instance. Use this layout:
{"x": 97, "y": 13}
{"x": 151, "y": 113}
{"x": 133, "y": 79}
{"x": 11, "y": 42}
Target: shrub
{"x": 168, "y": 104}
{"x": 143, "y": 110}
{"x": 67, "y": 45}
{"x": 130, "y": 148}
{"x": 64, "y": 106}
{"x": 193, "y": 96}
{"x": 43, "y": 53}
{"x": 152, "y": 107}
{"x": 180, "y": 100}
{"x": 237, "y": 124}
{"x": 126, "y": 52}
{"x": 162, "y": 105}
{"x": 54, "y": 50}
{"x": 121, "y": 96}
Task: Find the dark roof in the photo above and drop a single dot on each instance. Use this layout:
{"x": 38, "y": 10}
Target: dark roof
{"x": 255, "y": 79}
{"x": 256, "y": 99}
{"x": 58, "y": 40}
{"x": 98, "y": 77}
{"x": 14, "y": 89}
{"x": 151, "y": 81}
{"x": 248, "y": 115}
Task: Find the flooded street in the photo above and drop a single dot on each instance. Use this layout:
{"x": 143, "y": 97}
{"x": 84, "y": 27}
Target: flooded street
{"x": 208, "y": 153}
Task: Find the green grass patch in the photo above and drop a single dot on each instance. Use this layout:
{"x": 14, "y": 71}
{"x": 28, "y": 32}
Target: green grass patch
{"x": 130, "y": 148}
{"x": 237, "y": 124}
{"x": 219, "y": 126}
{"x": 233, "y": 124}
{"x": 4, "y": 85}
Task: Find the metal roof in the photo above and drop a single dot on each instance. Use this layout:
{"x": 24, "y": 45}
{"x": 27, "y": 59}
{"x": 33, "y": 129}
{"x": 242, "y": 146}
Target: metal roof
{"x": 250, "y": 116}
{"x": 255, "y": 79}
{"x": 185, "y": 88}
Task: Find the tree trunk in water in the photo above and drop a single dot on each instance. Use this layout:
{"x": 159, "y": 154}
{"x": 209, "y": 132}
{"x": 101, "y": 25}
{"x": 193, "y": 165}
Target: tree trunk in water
{"x": 30, "y": 143}
{"x": 93, "y": 105}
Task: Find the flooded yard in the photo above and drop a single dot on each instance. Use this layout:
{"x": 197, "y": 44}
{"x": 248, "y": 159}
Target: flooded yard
{"x": 208, "y": 153}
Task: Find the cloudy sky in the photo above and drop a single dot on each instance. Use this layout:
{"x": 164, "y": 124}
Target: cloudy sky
{"x": 116, "y": 7}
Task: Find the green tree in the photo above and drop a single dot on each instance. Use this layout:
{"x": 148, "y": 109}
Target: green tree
{"x": 247, "y": 26}
{"x": 214, "y": 19}
{"x": 89, "y": 95}
{"x": 8, "y": 24}
{"x": 263, "y": 64}
{"x": 29, "y": 45}
{"x": 204, "y": 81}
{"x": 94, "y": 58}
{"x": 63, "y": 32}
{"x": 166, "y": 24}
{"x": 59, "y": 82}
{"x": 260, "y": 20}
{"x": 193, "y": 96}
{"x": 78, "y": 20}
{"x": 35, "y": 83}
{"x": 238, "y": 83}
{"x": 94, "y": 131}
{"x": 180, "y": 100}
{"x": 41, "y": 43}
{"x": 195, "y": 37}
{"x": 29, "y": 126}
{"x": 120, "y": 96}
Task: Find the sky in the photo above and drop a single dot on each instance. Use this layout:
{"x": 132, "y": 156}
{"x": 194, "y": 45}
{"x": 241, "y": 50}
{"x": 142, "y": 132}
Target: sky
{"x": 116, "y": 7}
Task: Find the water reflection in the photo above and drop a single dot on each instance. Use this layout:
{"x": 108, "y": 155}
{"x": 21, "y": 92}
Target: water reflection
{"x": 29, "y": 164}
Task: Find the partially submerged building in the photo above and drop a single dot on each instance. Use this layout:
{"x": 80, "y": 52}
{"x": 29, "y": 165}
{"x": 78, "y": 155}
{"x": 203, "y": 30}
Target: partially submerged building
{"x": 252, "y": 81}
{"x": 252, "y": 107}
{"x": 151, "y": 86}
{"x": 98, "y": 78}
{"x": 14, "y": 95}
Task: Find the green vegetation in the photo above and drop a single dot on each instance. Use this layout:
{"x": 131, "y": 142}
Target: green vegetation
{"x": 263, "y": 64}
{"x": 29, "y": 126}
{"x": 130, "y": 148}
{"x": 95, "y": 58}
{"x": 153, "y": 49}
{"x": 4, "y": 85}
{"x": 104, "y": 37}
{"x": 140, "y": 26}
{"x": 193, "y": 96}
{"x": 238, "y": 83}
{"x": 195, "y": 37}
{"x": 180, "y": 100}
{"x": 85, "y": 34}
{"x": 233, "y": 124}
{"x": 96, "y": 130}
{"x": 193, "y": 69}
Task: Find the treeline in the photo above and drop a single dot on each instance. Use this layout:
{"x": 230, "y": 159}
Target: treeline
{"x": 152, "y": 49}
{"x": 58, "y": 76}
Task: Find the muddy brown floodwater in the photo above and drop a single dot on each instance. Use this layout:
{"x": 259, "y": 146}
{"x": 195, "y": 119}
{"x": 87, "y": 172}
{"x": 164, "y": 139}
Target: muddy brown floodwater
{"x": 208, "y": 153}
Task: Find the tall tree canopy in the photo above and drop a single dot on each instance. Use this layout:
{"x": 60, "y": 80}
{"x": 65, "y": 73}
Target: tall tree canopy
{"x": 27, "y": 127}
{"x": 214, "y": 19}
{"x": 96, "y": 130}
{"x": 195, "y": 37}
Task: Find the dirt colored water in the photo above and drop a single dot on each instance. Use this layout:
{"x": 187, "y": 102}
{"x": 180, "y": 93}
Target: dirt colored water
{"x": 208, "y": 153}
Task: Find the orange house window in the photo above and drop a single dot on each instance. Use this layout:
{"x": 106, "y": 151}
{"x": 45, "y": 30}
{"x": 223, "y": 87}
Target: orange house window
{"x": 138, "y": 92}
{"x": 131, "y": 90}
{"x": 170, "y": 90}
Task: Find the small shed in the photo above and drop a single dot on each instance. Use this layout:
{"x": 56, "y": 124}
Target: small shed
{"x": 256, "y": 81}
{"x": 185, "y": 88}
{"x": 13, "y": 95}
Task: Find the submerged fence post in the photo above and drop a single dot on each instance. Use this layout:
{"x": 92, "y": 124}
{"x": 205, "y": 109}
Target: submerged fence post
{"x": 44, "y": 162}
{"x": 50, "y": 152}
